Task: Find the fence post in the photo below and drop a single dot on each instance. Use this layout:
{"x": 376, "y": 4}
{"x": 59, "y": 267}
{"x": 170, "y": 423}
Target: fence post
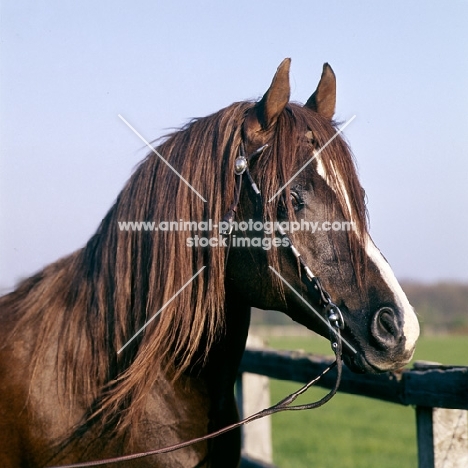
{"x": 450, "y": 438}
{"x": 425, "y": 437}
{"x": 253, "y": 394}
{"x": 442, "y": 435}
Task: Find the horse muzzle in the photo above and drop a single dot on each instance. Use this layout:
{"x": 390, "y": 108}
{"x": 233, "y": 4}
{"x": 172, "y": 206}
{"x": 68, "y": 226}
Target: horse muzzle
{"x": 391, "y": 345}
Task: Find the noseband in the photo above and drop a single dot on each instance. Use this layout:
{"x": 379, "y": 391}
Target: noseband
{"x": 331, "y": 314}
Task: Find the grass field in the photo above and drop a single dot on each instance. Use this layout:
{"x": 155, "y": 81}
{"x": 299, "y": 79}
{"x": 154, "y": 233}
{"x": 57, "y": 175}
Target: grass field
{"x": 352, "y": 431}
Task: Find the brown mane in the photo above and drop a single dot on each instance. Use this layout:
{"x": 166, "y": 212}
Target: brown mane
{"x": 97, "y": 298}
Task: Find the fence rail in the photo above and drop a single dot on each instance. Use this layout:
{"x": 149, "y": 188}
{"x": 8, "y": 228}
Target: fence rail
{"x": 430, "y": 387}
{"x": 427, "y": 385}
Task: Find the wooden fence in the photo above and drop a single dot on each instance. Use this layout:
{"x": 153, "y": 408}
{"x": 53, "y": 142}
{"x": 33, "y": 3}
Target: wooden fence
{"x": 438, "y": 393}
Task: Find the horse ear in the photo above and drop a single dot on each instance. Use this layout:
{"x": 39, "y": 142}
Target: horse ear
{"x": 275, "y": 99}
{"x": 324, "y": 98}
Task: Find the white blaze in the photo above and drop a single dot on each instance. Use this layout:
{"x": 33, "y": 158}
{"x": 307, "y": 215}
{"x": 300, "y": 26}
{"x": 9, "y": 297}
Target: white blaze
{"x": 410, "y": 321}
{"x": 321, "y": 171}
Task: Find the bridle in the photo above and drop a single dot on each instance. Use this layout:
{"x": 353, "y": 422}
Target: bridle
{"x": 331, "y": 313}
{"x": 314, "y": 287}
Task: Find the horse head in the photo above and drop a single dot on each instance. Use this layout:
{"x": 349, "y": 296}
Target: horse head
{"x": 309, "y": 186}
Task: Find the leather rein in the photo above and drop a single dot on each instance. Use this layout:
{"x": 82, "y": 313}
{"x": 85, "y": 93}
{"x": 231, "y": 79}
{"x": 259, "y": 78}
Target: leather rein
{"x": 331, "y": 314}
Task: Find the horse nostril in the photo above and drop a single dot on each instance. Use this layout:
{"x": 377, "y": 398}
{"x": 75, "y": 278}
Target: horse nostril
{"x": 385, "y": 327}
{"x": 386, "y": 320}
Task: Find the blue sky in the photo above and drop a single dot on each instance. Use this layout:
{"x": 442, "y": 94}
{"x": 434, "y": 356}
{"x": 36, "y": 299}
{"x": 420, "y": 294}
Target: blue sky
{"x": 69, "y": 68}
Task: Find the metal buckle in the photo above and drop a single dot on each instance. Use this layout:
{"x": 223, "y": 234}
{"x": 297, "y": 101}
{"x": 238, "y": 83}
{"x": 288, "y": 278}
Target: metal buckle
{"x": 240, "y": 165}
{"x": 335, "y": 317}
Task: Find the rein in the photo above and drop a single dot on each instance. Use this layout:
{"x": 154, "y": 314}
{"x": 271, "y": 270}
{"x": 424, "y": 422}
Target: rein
{"x": 332, "y": 313}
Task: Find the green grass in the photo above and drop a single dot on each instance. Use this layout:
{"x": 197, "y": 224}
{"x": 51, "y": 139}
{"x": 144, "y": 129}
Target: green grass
{"x": 352, "y": 431}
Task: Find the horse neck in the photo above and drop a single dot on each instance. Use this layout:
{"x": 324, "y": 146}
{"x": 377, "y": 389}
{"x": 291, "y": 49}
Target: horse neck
{"x": 226, "y": 354}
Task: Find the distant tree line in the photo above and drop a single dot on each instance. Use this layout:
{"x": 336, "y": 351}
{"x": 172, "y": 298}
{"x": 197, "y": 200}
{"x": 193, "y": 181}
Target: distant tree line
{"x": 441, "y": 307}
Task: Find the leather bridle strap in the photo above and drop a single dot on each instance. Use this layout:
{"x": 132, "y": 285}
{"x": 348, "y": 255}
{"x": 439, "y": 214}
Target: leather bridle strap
{"x": 283, "y": 405}
{"x": 241, "y": 167}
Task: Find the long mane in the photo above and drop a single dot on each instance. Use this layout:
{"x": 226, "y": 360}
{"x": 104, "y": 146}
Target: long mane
{"x": 95, "y": 300}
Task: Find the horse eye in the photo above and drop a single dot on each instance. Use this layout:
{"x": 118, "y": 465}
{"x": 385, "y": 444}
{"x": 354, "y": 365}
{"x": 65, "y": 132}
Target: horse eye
{"x": 296, "y": 201}
{"x": 311, "y": 138}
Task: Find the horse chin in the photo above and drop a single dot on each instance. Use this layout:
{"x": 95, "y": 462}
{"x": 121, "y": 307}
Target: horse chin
{"x": 359, "y": 364}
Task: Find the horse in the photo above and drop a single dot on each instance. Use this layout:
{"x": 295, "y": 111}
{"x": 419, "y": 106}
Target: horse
{"x": 133, "y": 342}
